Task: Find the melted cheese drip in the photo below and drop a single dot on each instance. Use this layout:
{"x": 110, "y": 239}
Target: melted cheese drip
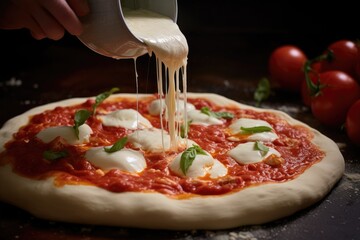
{"x": 163, "y": 38}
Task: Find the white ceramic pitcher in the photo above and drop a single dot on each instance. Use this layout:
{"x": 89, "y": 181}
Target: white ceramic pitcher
{"x": 106, "y": 32}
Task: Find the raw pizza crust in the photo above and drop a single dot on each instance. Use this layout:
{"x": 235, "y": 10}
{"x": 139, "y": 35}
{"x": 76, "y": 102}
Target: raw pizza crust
{"x": 93, "y": 205}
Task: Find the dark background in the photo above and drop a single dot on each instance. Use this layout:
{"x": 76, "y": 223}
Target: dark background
{"x": 228, "y": 40}
{"x": 230, "y": 43}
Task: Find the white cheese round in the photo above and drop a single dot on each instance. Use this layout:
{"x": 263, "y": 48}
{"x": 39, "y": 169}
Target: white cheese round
{"x": 235, "y": 128}
{"x": 200, "y": 167}
{"x": 152, "y": 139}
{"x": 158, "y": 105}
{"x": 126, "y": 118}
{"x": 199, "y": 118}
{"x": 67, "y": 133}
{"x": 245, "y": 153}
{"x": 125, "y": 159}
{"x": 155, "y": 140}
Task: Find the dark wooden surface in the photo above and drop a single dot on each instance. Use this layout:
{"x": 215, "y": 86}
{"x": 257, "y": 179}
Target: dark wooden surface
{"x": 230, "y": 43}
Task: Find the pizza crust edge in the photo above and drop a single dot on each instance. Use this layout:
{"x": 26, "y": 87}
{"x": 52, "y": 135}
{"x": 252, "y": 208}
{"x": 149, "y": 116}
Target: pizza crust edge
{"x": 93, "y": 205}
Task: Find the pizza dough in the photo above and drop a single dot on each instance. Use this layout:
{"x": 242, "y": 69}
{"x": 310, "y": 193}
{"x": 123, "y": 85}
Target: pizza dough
{"x": 93, "y": 205}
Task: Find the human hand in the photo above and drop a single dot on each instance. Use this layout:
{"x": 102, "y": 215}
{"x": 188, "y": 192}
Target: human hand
{"x": 44, "y": 18}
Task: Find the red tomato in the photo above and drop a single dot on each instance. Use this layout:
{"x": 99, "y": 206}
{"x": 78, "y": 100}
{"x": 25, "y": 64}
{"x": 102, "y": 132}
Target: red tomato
{"x": 352, "y": 124}
{"x": 286, "y": 67}
{"x": 345, "y": 57}
{"x": 339, "y": 92}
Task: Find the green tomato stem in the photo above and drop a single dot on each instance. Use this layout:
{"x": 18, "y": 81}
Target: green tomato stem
{"x": 315, "y": 88}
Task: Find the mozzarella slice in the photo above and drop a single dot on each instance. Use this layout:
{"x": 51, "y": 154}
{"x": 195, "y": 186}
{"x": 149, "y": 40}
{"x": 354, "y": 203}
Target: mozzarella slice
{"x": 126, "y": 118}
{"x": 200, "y": 167}
{"x": 158, "y": 105}
{"x": 152, "y": 139}
{"x": 246, "y": 153}
{"x": 199, "y": 118}
{"x": 218, "y": 169}
{"x": 125, "y": 159}
{"x": 235, "y": 128}
{"x": 67, "y": 133}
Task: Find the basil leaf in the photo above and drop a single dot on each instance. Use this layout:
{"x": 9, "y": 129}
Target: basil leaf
{"x": 184, "y": 129}
{"x": 120, "y": 144}
{"x": 257, "y": 129}
{"x": 80, "y": 118}
{"x": 199, "y": 150}
{"x": 101, "y": 97}
{"x": 261, "y": 147}
{"x": 53, "y": 155}
{"x": 207, "y": 111}
{"x": 188, "y": 156}
{"x": 226, "y": 115}
{"x": 262, "y": 91}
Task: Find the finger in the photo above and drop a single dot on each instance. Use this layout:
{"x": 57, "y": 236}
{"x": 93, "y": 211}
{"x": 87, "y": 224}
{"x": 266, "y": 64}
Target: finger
{"x": 38, "y": 35}
{"x": 35, "y": 30}
{"x": 16, "y": 18}
{"x": 64, "y": 15}
{"x": 48, "y": 23}
{"x": 51, "y": 27}
{"x": 80, "y": 7}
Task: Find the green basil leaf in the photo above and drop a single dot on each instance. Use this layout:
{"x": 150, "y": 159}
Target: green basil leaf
{"x": 188, "y": 156}
{"x": 54, "y": 155}
{"x": 262, "y": 91}
{"x": 207, "y": 111}
{"x": 257, "y": 129}
{"x": 261, "y": 147}
{"x": 120, "y": 144}
{"x": 187, "y": 159}
{"x": 102, "y": 96}
{"x": 199, "y": 150}
{"x": 184, "y": 129}
{"x": 80, "y": 118}
{"x": 226, "y": 115}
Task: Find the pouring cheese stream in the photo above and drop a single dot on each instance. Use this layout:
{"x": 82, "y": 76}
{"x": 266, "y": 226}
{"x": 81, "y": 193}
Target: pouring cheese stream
{"x": 163, "y": 38}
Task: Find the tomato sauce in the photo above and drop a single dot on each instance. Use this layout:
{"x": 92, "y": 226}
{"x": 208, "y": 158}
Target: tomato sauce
{"x": 25, "y": 153}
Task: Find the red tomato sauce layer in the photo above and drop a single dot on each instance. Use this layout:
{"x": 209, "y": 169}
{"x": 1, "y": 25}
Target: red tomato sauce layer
{"x": 25, "y": 152}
